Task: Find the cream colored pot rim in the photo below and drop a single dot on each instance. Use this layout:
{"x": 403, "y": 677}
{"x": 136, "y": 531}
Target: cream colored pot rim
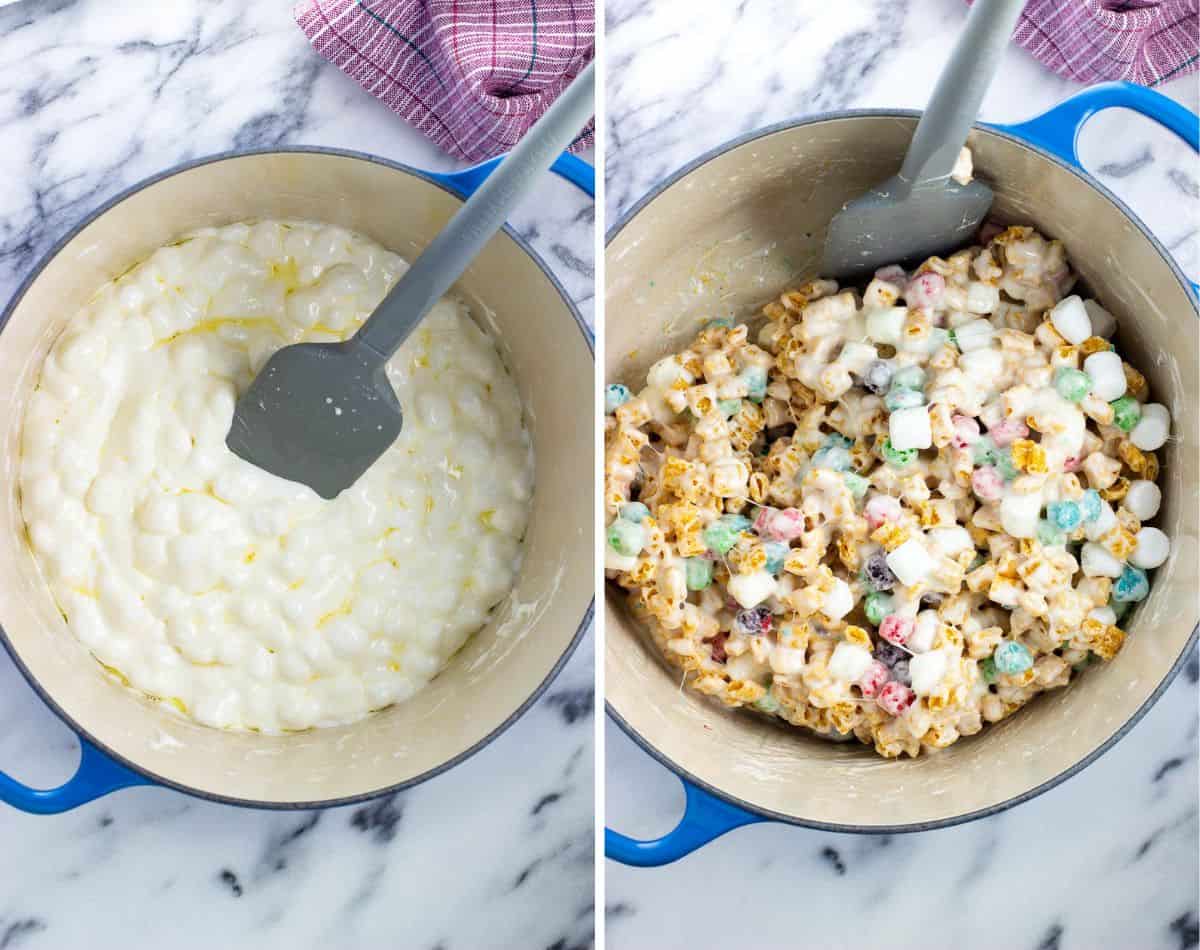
{"x": 1133, "y": 720}
{"x": 82, "y": 732}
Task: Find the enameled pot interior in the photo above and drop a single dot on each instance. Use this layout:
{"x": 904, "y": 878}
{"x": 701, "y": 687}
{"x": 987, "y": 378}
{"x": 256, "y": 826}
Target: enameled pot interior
{"x": 499, "y": 669}
{"x": 730, "y": 236}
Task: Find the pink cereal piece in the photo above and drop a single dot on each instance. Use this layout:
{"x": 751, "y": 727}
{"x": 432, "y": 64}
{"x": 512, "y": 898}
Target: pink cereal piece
{"x": 895, "y": 698}
{"x": 893, "y": 274}
{"x": 1007, "y": 431}
{"x": 762, "y": 523}
{"x": 896, "y": 629}
{"x": 871, "y": 682}
{"x": 1072, "y": 464}
{"x": 989, "y": 230}
{"x": 925, "y": 290}
{"x": 966, "y": 430}
{"x": 987, "y": 483}
{"x": 786, "y": 525}
{"x": 881, "y": 508}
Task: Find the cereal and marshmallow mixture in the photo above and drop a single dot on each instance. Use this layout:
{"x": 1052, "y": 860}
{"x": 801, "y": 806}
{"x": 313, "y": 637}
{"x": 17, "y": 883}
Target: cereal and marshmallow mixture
{"x": 900, "y": 514}
{"x": 238, "y": 598}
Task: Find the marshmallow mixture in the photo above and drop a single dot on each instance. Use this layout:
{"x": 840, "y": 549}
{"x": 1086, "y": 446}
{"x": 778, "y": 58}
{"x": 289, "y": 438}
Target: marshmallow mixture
{"x": 231, "y": 595}
{"x": 904, "y": 512}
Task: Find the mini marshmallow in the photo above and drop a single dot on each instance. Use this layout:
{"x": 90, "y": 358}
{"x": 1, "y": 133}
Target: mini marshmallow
{"x": 1143, "y": 499}
{"x": 1153, "y": 428}
{"x": 1097, "y": 529}
{"x": 1108, "y": 376}
{"x": 1104, "y": 614}
{"x": 856, "y": 357}
{"x": 751, "y": 589}
{"x": 910, "y": 562}
{"x": 849, "y": 662}
{"x": 924, "y": 631}
{"x": 1019, "y": 514}
{"x": 885, "y": 326}
{"x": 910, "y": 429}
{"x": 839, "y": 601}
{"x": 981, "y": 297}
{"x": 1152, "y": 549}
{"x": 787, "y": 661}
{"x": 1103, "y": 323}
{"x": 618, "y": 562}
{"x": 668, "y": 373}
{"x": 1070, "y": 318}
{"x": 926, "y": 671}
{"x": 974, "y": 335}
{"x": 983, "y": 364}
{"x": 1096, "y": 561}
{"x": 950, "y": 540}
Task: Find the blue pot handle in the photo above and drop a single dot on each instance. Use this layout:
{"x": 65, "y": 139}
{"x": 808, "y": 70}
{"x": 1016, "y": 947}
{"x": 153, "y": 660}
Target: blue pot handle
{"x": 1057, "y": 130}
{"x": 96, "y": 776}
{"x": 705, "y": 817}
{"x": 574, "y": 169}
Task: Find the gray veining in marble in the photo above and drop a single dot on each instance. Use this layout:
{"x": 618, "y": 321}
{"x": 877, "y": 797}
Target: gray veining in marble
{"x": 94, "y": 96}
{"x": 1107, "y": 860}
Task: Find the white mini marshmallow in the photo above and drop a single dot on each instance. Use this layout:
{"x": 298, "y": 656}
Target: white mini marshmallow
{"x": 910, "y": 429}
{"x": 751, "y": 589}
{"x": 982, "y": 366}
{"x": 1143, "y": 499}
{"x": 974, "y": 335}
{"x": 787, "y": 661}
{"x": 1108, "y": 376}
{"x": 910, "y": 562}
{"x": 885, "y": 326}
{"x": 927, "y": 670}
{"x": 950, "y": 540}
{"x": 1103, "y": 323}
{"x": 1098, "y": 562}
{"x": 1070, "y": 318}
{"x": 839, "y": 601}
{"x": 1152, "y": 549}
{"x": 924, "y": 631}
{"x": 1153, "y": 428}
{"x": 1019, "y": 513}
{"x": 849, "y": 662}
{"x": 1097, "y": 529}
{"x": 856, "y": 357}
{"x": 981, "y": 297}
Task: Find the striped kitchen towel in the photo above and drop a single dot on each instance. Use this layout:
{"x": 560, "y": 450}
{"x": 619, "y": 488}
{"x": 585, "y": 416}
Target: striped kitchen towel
{"x": 1142, "y": 41}
{"x": 472, "y": 75}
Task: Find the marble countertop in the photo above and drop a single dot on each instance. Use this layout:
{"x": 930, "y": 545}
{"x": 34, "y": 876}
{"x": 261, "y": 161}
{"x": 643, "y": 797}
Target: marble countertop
{"x": 498, "y": 852}
{"x": 1106, "y": 860}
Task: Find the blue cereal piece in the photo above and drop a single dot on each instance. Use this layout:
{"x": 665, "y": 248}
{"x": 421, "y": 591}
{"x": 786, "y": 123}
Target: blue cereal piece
{"x": 1064, "y": 515}
{"x": 1012, "y": 658}
{"x": 1090, "y": 505}
{"x": 634, "y": 511}
{"x": 615, "y": 396}
{"x": 1131, "y": 587}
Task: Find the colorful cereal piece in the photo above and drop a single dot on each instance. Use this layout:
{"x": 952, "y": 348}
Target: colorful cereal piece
{"x": 877, "y": 573}
{"x": 698, "y": 572}
{"x": 1072, "y": 384}
{"x": 987, "y": 483}
{"x": 901, "y": 398}
{"x": 615, "y": 396}
{"x": 1126, "y": 413}
{"x": 776, "y": 552}
{"x": 881, "y": 508}
{"x": 1091, "y": 503}
{"x": 876, "y": 606}
{"x": 1012, "y": 658}
{"x": 1064, "y": 515}
{"x": 877, "y": 377}
{"x": 925, "y": 290}
{"x": 966, "y": 430}
{"x": 895, "y": 698}
{"x": 626, "y": 538}
{"x": 755, "y": 378}
{"x": 1007, "y": 431}
{"x": 871, "y": 682}
{"x": 896, "y": 629}
{"x": 634, "y": 511}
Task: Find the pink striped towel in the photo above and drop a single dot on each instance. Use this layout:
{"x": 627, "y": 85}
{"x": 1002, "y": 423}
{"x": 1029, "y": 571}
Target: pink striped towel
{"x": 1142, "y": 41}
{"x": 472, "y": 75}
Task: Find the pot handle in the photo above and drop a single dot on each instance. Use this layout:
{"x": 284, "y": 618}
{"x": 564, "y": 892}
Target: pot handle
{"x": 705, "y": 818}
{"x": 96, "y": 776}
{"x": 1057, "y": 129}
{"x": 574, "y": 169}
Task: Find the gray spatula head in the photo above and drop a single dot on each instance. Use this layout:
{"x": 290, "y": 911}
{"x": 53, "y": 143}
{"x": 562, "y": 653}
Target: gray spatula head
{"x": 896, "y": 223}
{"x": 317, "y": 413}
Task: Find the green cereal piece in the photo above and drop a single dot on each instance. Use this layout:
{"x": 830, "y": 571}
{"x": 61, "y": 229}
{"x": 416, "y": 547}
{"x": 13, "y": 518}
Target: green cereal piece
{"x": 755, "y": 378}
{"x": 729, "y": 407}
{"x": 1126, "y": 413}
{"x": 726, "y": 322}
{"x": 987, "y": 668}
{"x": 767, "y": 702}
{"x": 895, "y": 457}
{"x": 909, "y": 377}
{"x": 626, "y": 537}
{"x": 856, "y": 483}
{"x": 634, "y": 511}
{"x": 699, "y": 572}
{"x": 1072, "y": 384}
{"x": 876, "y": 606}
{"x": 1004, "y": 464}
{"x": 1048, "y": 534}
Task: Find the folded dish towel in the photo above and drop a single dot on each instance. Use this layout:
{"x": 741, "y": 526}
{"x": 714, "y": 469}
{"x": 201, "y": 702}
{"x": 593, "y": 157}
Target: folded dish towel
{"x": 472, "y": 75}
{"x": 1142, "y": 41}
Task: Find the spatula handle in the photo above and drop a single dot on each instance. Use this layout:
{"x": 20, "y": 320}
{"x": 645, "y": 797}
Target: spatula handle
{"x": 450, "y": 253}
{"x": 960, "y": 89}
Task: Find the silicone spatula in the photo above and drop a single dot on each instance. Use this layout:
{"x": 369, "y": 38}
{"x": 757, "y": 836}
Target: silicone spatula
{"x": 922, "y": 211}
{"x": 322, "y": 413}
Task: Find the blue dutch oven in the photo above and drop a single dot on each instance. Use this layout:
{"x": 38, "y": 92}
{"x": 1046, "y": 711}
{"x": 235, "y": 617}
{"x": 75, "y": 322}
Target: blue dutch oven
{"x": 126, "y": 740}
{"x": 732, "y": 230}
